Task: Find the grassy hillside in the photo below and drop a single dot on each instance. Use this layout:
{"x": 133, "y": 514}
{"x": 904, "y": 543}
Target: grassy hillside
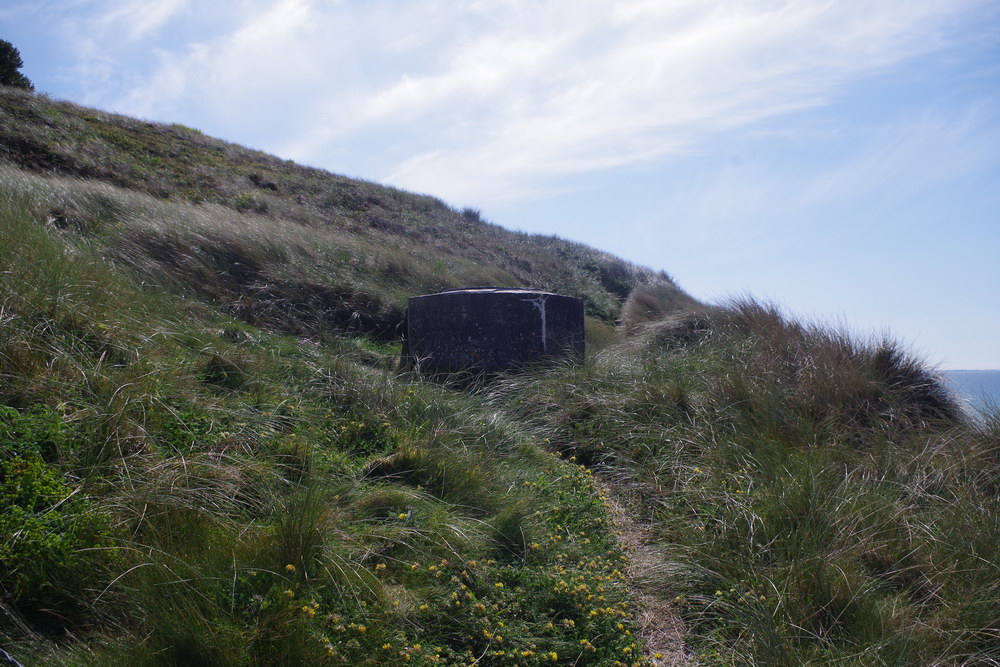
{"x": 315, "y": 250}
{"x": 208, "y": 457}
{"x": 180, "y": 487}
{"x": 810, "y": 498}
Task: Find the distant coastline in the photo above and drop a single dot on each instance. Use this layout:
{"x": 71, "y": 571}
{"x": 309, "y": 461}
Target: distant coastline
{"x": 978, "y": 390}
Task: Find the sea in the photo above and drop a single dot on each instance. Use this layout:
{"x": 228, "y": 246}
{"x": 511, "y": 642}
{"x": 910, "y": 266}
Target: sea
{"x": 978, "y": 391}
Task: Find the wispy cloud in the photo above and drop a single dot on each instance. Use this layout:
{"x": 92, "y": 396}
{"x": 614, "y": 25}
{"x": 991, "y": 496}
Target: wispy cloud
{"x": 136, "y": 19}
{"x": 648, "y": 81}
{"x": 911, "y": 156}
{"x": 499, "y": 100}
{"x": 888, "y": 164}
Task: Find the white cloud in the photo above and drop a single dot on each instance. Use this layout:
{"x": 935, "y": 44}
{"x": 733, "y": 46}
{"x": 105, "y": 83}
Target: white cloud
{"x": 136, "y": 19}
{"x": 909, "y": 157}
{"x": 889, "y": 164}
{"x": 245, "y": 68}
{"x": 499, "y": 99}
{"x": 616, "y": 86}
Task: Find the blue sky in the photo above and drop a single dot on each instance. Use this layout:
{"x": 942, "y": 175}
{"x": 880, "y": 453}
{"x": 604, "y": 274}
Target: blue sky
{"x": 840, "y": 158}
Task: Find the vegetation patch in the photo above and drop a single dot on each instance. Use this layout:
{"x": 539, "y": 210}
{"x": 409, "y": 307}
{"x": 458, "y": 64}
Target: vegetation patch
{"x": 53, "y": 535}
{"x": 810, "y": 497}
{"x": 183, "y": 487}
{"x": 287, "y": 236}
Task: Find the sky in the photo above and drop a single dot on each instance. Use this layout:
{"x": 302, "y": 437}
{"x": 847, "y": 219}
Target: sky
{"x": 840, "y": 158}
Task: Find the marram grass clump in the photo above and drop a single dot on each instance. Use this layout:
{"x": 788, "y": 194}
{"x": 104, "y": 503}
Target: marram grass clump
{"x": 185, "y": 488}
{"x": 811, "y": 497}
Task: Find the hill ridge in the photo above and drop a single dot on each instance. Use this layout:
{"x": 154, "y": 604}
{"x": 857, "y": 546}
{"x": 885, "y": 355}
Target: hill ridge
{"x": 422, "y": 244}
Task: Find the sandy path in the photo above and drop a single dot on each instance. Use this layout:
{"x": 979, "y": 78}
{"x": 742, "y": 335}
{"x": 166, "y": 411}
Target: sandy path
{"x": 662, "y": 631}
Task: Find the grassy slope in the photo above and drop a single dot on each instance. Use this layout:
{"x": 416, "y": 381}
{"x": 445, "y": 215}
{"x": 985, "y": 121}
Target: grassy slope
{"x": 811, "y": 498}
{"x": 200, "y": 468}
{"x": 231, "y": 221}
{"x": 180, "y": 487}
{"x": 205, "y": 452}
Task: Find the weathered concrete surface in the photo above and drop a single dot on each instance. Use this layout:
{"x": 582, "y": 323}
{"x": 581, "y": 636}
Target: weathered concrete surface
{"x": 487, "y": 329}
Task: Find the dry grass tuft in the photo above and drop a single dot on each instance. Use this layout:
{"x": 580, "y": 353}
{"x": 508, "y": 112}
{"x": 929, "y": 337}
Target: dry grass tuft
{"x": 652, "y": 302}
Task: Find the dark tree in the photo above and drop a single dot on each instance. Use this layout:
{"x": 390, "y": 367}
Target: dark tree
{"x": 10, "y": 62}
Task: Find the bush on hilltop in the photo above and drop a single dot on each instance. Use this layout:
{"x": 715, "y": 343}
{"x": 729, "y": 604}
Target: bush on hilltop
{"x": 10, "y": 63}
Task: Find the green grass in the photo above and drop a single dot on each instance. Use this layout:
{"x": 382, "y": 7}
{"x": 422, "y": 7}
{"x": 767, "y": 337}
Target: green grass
{"x": 317, "y": 250}
{"x": 185, "y": 488}
{"x": 814, "y": 499}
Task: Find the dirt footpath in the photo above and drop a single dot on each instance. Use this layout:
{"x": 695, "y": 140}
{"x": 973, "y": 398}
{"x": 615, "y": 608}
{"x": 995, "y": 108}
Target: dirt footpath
{"x": 662, "y": 631}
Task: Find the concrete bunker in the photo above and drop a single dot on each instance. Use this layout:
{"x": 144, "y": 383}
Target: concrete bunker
{"x": 488, "y": 329}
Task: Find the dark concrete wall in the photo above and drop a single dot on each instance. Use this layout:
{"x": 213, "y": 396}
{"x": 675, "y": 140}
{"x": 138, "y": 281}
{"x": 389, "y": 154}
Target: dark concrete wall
{"x": 492, "y": 329}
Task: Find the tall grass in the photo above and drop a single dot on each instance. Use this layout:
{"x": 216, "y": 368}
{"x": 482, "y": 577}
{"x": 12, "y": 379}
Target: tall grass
{"x": 181, "y": 487}
{"x": 651, "y": 302}
{"x": 263, "y": 231}
{"x": 812, "y": 497}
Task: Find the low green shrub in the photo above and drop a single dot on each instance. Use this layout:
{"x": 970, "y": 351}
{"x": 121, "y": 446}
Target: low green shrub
{"x": 53, "y": 539}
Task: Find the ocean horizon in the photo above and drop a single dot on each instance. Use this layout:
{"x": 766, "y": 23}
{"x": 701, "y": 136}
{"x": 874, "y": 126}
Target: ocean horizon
{"x": 978, "y": 390}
